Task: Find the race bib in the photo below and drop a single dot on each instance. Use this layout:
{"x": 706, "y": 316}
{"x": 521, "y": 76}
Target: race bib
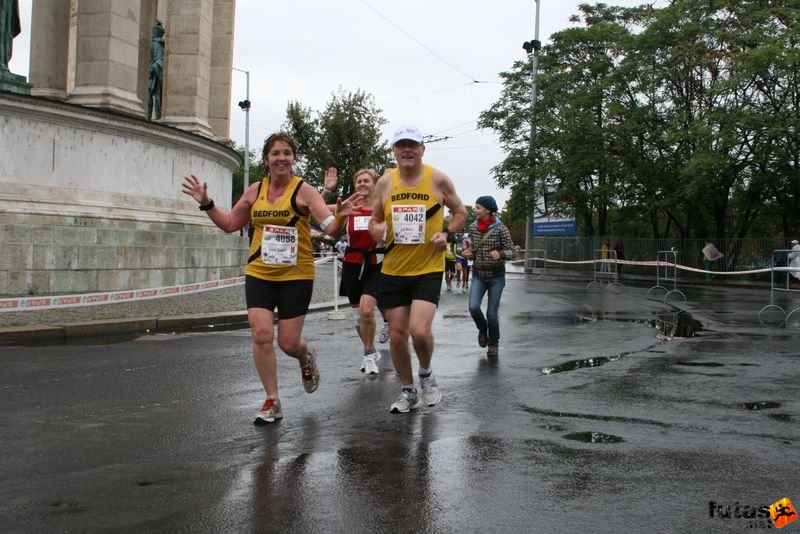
{"x": 408, "y": 224}
{"x": 361, "y": 222}
{"x": 279, "y": 245}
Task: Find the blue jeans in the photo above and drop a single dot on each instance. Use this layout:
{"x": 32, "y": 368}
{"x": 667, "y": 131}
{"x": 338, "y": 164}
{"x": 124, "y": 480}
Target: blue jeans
{"x": 490, "y": 323}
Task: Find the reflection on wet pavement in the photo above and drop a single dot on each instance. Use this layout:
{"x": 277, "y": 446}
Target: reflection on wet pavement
{"x": 593, "y": 437}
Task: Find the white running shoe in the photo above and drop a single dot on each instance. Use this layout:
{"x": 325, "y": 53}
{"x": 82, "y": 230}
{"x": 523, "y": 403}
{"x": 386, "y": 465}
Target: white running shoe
{"x": 309, "y": 372}
{"x": 407, "y": 401}
{"x": 269, "y": 412}
{"x": 431, "y": 394}
{"x": 368, "y": 365}
{"x": 384, "y": 333}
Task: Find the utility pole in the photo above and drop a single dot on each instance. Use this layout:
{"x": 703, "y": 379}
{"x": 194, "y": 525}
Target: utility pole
{"x": 532, "y": 49}
{"x": 245, "y": 105}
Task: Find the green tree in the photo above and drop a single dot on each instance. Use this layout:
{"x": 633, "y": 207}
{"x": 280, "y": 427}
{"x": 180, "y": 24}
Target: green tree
{"x": 683, "y": 120}
{"x": 345, "y": 135}
{"x": 238, "y": 176}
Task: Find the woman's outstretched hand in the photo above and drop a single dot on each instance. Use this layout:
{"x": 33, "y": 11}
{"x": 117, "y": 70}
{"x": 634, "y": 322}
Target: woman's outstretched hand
{"x": 331, "y": 179}
{"x": 196, "y": 189}
{"x": 345, "y": 207}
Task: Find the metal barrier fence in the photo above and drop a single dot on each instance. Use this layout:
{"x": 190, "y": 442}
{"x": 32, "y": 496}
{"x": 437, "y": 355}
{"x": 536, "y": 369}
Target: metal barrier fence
{"x": 667, "y": 271}
{"x": 605, "y": 265}
{"x": 738, "y": 254}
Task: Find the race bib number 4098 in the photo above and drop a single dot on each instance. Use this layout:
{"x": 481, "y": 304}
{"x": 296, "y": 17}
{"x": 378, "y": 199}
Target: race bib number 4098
{"x": 279, "y": 245}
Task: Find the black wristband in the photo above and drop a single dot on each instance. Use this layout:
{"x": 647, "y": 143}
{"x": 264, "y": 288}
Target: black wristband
{"x": 206, "y": 207}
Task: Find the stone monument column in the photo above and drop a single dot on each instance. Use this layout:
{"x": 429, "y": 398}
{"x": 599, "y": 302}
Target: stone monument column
{"x": 49, "y": 61}
{"x": 188, "y": 66}
{"x": 107, "y": 55}
{"x": 221, "y": 69}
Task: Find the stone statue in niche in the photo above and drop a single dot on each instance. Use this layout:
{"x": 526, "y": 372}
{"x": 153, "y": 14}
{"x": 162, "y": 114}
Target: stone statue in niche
{"x": 156, "y": 81}
{"x": 9, "y": 28}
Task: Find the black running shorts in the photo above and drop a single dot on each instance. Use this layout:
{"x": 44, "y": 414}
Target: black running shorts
{"x": 291, "y": 297}
{"x": 396, "y": 291}
{"x": 352, "y": 287}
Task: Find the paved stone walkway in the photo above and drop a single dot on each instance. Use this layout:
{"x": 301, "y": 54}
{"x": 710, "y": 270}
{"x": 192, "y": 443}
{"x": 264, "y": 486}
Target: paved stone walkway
{"x": 229, "y": 299}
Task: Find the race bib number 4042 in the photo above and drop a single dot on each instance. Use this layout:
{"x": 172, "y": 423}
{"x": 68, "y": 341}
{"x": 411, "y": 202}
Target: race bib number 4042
{"x": 408, "y": 223}
{"x": 279, "y": 245}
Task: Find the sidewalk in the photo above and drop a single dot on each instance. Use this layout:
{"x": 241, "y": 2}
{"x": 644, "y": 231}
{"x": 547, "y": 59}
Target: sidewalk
{"x": 220, "y": 307}
{"x": 225, "y": 308}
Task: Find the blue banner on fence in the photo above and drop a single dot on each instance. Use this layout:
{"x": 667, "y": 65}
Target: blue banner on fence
{"x": 555, "y": 228}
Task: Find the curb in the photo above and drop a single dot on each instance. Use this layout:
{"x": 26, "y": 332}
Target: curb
{"x": 134, "y": 325}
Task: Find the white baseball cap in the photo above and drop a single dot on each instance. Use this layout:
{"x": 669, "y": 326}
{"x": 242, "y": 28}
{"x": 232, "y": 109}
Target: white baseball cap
{"x": 410, "y": 133}
{"x": 794, "y": 241}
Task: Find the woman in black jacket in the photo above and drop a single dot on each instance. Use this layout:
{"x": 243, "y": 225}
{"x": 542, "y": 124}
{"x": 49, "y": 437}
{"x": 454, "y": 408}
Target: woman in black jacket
{"x": 492, "y": 246}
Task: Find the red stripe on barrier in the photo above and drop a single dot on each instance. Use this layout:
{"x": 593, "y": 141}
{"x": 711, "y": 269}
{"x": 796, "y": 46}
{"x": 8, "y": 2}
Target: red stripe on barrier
{"x": 37, "y": 302}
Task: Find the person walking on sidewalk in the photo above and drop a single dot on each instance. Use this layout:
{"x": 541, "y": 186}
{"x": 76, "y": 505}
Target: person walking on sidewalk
{"x": 409, "y": 211}
{"x": 492, "y": 246}
{"x": 361, "y": 266}
{"x": 280, "y": 268}
{"x": 710, "y": 255}
{"x": 794, "y": 261}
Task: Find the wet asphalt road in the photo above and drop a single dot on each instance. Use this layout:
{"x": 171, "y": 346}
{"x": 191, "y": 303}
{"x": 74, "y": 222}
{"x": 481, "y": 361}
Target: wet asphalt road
{"x": 595, "y": 418}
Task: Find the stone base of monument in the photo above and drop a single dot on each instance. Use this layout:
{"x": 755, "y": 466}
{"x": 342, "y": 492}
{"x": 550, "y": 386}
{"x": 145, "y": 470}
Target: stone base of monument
{"x": 14, "y": 83}
{"x": 91, "y": 200}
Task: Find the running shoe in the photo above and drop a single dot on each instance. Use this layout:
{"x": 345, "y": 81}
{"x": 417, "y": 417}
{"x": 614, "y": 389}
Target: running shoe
{"x": 310, "y": 372}
{"x": 368, "y": 365}
{"x": 407, "y": 401}
{"x": 431, "y": 394}
{"x": 492, "y": 351}
{"x": 482, "y": 339}
{"x": 384, "y": 333}
{"x": 269, "y": 413}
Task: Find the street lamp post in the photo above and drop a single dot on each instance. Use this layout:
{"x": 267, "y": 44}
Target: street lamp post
{"x": 532, "y": 49}
{"x": 245, "y": 105}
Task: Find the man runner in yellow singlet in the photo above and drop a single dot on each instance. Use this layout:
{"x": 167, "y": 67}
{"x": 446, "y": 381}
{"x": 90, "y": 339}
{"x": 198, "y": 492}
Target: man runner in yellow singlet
{"x": 409, "y": 211}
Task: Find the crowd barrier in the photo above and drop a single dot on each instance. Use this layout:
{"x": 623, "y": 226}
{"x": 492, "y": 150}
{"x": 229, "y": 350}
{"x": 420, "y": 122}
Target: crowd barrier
{"x": 30, "y": 303}
{"x": 605, "y": 271}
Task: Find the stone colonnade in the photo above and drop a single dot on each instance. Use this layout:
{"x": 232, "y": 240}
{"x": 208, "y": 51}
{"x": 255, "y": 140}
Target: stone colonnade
{"x": 95, "y": 53}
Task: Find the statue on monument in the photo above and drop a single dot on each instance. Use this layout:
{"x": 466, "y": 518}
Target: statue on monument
{"x": 9, "y": 28}
{"x": 156, "y": 71}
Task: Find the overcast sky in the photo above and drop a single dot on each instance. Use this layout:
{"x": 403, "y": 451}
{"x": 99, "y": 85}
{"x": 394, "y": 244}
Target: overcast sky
{"x": 420, "y": 59}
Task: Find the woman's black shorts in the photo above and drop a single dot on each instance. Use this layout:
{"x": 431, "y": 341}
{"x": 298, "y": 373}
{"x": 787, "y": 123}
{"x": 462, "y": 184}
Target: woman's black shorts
{"x": 291, "y": 297}
{"x": 353, "y": 287}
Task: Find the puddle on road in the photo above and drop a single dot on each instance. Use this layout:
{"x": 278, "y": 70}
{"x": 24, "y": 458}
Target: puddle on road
{"x": 672, "y": 324}
{"x": 592, "y": 417}
{"x": 760, "y": 405}
{"x": 593, "y": 437}
{"x": 669, "y": 326}
{"x": 700, "y": 364}
{"x": 580, "y": 364}
{"x": 782, "y": 417}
